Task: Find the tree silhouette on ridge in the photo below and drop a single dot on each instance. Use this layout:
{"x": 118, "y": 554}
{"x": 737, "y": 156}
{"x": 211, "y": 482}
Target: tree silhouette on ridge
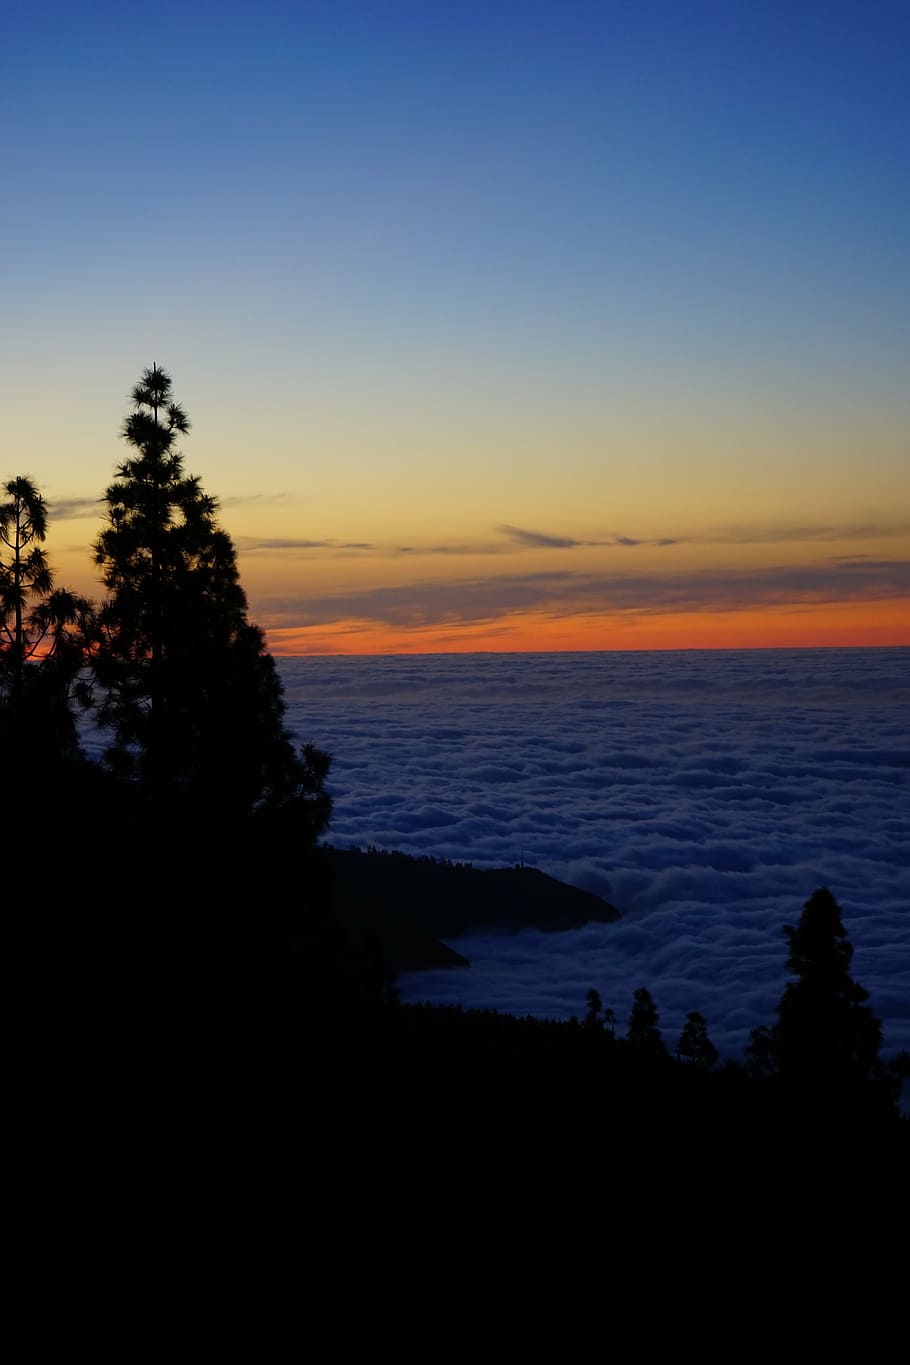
{"x": 643, "y": 1028}
{"x": 44, "y": 633}
{"x": 188, "y": 689}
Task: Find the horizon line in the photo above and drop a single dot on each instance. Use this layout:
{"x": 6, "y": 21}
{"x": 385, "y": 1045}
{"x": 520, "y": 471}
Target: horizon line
{"x": 606, "y": 649}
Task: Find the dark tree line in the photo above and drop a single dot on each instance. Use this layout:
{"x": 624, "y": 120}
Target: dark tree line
{"x": 826, "y": 1039}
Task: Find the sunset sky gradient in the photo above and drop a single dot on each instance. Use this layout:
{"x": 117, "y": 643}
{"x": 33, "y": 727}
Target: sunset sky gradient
{"x": 500, "y": 327}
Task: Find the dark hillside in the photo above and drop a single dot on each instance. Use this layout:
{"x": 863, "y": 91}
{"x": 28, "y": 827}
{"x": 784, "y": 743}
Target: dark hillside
{"x": 208, "y": 1081}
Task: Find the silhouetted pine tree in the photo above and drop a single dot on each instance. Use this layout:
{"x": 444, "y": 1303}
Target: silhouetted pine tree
{"x": 643, "y": 1022}
{"x": 826, "y": 1037}
{"x": 694, "y": 1045}
{"x": 761, "y": 1053}
{"x": 824, "y": 1030}
{"x": 594, "y": 1012}
{"x": 44, "y": 633}
{"x": 188, "y": 688}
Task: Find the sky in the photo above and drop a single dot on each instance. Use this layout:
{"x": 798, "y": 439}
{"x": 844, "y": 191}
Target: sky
{"x": 552, "y": 326}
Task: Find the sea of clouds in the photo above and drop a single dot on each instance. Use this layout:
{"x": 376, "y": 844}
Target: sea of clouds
{"x": 705, "y": 794}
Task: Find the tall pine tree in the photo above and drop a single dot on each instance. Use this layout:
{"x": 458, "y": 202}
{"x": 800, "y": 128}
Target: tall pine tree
{"x": 826, "y": 1037}
{"x": 825, "y": 1031}
{"x": 187, "y": 686}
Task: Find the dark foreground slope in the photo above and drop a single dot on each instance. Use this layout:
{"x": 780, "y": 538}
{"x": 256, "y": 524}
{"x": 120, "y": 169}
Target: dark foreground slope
{"x": 215, "y": 1115}
{"x": 410, "y": 904}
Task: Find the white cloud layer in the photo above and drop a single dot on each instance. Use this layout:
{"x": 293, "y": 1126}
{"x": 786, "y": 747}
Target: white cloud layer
{"x": 706, "y": 794}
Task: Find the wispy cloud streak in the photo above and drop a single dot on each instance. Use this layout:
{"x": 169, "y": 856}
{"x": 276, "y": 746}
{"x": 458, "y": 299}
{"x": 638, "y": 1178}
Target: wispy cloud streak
{"x": 74, "y": 509}
{"x": 518, "y": 539}
{"x": 565, "y": 593}
{"x": 539, "y": 540}
{"x": 263, "y": 545}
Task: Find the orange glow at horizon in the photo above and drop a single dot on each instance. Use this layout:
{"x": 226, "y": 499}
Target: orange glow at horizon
{"x": 830, "y": 625}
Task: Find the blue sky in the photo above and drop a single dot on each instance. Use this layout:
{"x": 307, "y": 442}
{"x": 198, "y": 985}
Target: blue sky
{"x": 419, "y": 270}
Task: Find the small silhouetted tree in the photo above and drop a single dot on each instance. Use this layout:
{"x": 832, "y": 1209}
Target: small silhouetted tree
{"x": 25, "y": 576}
{"x": 761, "y": 1053}
{"x": 643, "y": 1022}
{"x": 44, "y": 632}
{"x": 694, "y": 1045}
{"x": 187, "y": 686}
{"x": 594, "y": 1015}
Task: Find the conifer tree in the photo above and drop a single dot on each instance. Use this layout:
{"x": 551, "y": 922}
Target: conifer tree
{"x": 694, "y": 1045}
{"x": 826, "y": 1037}
{"x": 44, "y": 632}
{"x": 594, "y": 1013}
{"x": 188, "y": 688}
{"x": 643, "y": 1021}
{"x": 25, "y": 576}
{"x": 825, "y": 1031}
